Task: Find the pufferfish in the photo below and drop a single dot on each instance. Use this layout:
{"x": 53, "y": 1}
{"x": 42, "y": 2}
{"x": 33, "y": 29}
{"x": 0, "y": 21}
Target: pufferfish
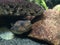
{"x": 21, "y": 26}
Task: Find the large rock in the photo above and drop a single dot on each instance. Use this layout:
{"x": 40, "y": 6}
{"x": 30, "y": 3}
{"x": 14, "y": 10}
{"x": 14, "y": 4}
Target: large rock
{"x": 48, "y": 28}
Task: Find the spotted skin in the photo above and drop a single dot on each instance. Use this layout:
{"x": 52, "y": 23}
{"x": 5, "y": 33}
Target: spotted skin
{"x": 21, "y": 26}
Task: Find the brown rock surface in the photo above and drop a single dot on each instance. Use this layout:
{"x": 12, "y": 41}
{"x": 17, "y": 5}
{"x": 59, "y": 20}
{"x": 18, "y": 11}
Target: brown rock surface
{"x": 47, "y": 28}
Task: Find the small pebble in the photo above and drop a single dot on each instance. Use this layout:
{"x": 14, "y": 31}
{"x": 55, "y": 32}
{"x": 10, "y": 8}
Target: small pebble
{"x": 6, "y": 34}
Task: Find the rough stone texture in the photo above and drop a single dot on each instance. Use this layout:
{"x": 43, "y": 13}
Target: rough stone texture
{"x": 48, "y": 28}
{"x": 19, "y": 41}
{"x": 57, "y": 7}
{"x": 21, "y": 7}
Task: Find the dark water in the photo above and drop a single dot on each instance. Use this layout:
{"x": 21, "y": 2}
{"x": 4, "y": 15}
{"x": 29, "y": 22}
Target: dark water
{"x": 52, "y": 3}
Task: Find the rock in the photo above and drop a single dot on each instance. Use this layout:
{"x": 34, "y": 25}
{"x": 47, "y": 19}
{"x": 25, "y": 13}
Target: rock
{"x": 6, "y": 34}
{"x": 52, "y": 3}
{"x": 48, "y": 28}
{"x": 20, "y": 41}
{"x": 21, "y": 26}
{"x": 57, "y": 7}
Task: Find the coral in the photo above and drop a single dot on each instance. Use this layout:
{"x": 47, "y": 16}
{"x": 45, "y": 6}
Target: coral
{"x": 48, "y": 28}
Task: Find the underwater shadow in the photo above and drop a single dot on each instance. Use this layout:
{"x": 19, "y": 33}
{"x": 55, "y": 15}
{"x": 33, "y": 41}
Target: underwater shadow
{"x": 25, "y": 36}
{"x": 46, "y": 42}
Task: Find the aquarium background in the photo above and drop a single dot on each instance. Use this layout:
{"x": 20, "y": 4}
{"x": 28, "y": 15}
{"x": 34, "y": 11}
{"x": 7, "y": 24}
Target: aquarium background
{"x": 18, "y": 40}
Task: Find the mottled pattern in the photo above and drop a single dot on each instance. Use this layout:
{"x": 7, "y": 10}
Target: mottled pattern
{"x": 13, "y": 10}
{"x": 20, "y": 7}
{"x": 21, "y": 26}
{"x": 48, "y": 28}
